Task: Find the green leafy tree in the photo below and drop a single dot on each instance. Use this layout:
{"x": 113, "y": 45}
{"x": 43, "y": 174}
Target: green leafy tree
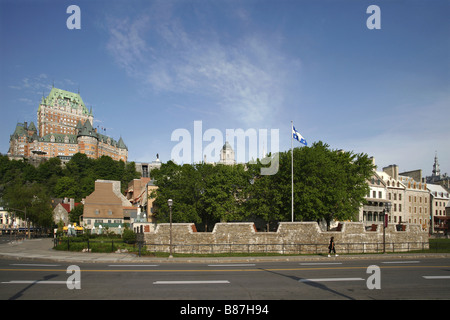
{"x": 29, "y": 201}
{"x": 264, "y": 200}
{"x": 76, "y": 213}
{"x": 328, "y": 184}
{"x": 67, "y": 187}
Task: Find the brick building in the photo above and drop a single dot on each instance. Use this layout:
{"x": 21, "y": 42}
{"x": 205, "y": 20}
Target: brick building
{"x": 106, "y": 207}
{"x": 65, "y": 127}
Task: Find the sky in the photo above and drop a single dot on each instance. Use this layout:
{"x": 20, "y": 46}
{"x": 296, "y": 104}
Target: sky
{"x": 151, "y": 68}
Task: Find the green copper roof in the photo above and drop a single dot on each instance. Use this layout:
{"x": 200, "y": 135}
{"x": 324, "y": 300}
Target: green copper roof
{"x": 59, "y": 138}
{"x": 19, "y": 131}
{"x": 86, "y": 130}
{"x": 32, "y": 127}
{"x": 62, "y": 97}
{"x": 121, "y": 144}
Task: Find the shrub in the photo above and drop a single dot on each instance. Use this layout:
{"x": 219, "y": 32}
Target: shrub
{"x": 129, "y": 236}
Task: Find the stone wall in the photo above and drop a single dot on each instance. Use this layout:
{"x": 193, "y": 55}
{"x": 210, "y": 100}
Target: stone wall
{"x": 290, "y": 237}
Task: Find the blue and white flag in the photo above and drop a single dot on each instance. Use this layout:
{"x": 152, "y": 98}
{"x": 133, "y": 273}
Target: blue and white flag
{"x": 297, "y": 136}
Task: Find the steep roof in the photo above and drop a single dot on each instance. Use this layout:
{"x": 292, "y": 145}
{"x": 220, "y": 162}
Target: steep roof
{"x": 59, "y": 138}
{"x": 63, "y": 97}
{"x": 32, "y": 127}
{"x": 87, "y": 130}
{"x": 121, "y": 144}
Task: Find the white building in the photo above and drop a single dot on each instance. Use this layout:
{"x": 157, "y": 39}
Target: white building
{"x": 439, "y": 200}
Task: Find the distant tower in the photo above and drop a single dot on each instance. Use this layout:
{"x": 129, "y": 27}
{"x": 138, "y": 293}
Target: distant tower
{"x": 227, "y": 155}
{"x": 436, "y": 171}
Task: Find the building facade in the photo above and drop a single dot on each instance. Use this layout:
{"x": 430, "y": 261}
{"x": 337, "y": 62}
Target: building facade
{"x": 372, "y": 212}
{"x": 439, "y": 204}
{"x": 65, "y": 127}
{"x": 106, "y": 208}
{"x": 407, "y": 193}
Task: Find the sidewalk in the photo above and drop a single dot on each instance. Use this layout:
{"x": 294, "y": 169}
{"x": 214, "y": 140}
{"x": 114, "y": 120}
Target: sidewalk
{"x": 42, "y": 250}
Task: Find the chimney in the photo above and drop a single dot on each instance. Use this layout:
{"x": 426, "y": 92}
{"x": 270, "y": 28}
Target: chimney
{"x": 392, "y": 170}
{"x": 72, "y": 203}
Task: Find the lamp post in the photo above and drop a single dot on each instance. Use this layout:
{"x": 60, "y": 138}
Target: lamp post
{"x": 170, "y": 202}
{"x": 387, "y": 209}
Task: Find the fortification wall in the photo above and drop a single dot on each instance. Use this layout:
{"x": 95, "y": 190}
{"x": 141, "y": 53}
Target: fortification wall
{"x": 290, "y": 237}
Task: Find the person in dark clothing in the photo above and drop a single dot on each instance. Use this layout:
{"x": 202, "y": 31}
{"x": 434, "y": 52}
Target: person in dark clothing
{"x": 331, "y": 247}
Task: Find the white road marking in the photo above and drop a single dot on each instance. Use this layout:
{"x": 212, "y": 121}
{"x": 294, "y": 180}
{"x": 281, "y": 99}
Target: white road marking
{"x": 37, "y": 282}
{"x": 330, "y": 279}
{"x": 193, "y": 282}
{"x": 436, "y": 277}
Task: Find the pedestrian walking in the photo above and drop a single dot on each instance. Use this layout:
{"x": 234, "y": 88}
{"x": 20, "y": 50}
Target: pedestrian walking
{"x": 331, "y": 247}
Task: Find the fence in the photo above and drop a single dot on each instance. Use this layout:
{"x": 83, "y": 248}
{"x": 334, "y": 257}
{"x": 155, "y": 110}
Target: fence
{"x": 89, "y": 245}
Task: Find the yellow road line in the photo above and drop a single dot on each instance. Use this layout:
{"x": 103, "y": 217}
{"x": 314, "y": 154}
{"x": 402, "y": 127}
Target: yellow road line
{"x": 222, "y": 270}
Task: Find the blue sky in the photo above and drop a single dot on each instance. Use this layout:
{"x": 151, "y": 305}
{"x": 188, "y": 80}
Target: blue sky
{"x": 148, "y": 68}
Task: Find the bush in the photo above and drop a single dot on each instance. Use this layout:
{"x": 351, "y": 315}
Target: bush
{"x": 129, "y": 236}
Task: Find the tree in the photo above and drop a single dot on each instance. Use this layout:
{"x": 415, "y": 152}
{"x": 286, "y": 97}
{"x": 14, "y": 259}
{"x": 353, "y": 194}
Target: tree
{"x": 66, "y": 187}
{"x": 263, "y": 199}
{"x": 29, "y": 201}
{"x": 329, "y": 184}
{"x": 76, "y": 213}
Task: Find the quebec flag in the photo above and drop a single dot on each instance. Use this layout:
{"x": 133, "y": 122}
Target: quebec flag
{"x": 297, "y": 136}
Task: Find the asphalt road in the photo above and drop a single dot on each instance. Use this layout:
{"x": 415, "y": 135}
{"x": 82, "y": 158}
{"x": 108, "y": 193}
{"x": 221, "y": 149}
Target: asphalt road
{"x": 333, "y": 279}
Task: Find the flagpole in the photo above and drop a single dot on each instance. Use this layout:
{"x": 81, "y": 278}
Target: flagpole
{"x": 292, "y": 171}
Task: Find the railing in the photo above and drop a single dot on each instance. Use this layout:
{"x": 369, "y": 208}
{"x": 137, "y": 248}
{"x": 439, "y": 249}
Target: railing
{"x": 90, "y": 245}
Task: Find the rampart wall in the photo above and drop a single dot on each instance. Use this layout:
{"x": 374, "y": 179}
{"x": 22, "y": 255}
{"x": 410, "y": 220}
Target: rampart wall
{"x": 290, "y": 237}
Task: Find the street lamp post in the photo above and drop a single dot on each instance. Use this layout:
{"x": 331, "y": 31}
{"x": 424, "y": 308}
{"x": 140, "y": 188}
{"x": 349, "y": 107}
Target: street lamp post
{"x": 170, "y": 202}
{"x": 387, "y": 209}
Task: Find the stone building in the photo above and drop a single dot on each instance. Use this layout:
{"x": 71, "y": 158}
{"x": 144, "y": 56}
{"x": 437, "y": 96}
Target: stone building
{"x": 372, "y": 212}
{"x": 439, "y": 202}
{"x": 395, "y": 194}
{"x": 65, "y": 127}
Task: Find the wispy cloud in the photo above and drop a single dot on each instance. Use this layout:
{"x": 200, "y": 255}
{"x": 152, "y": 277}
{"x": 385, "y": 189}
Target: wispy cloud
{"x": 41, "y": 84}
{"x": 244, "y": 76}
{"x": 408, "y": 136}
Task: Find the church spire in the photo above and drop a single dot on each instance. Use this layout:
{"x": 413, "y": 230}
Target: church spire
{"x": 436, "y": 171}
